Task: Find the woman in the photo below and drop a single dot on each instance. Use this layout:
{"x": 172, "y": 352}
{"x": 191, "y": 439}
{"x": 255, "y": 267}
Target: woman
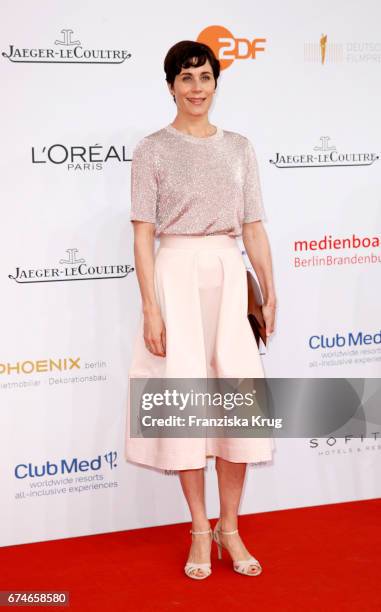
{"x": 196, "y": 187}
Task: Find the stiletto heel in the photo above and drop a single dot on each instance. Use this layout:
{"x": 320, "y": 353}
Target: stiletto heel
{"x": 219, "y": 549}
{"x": 242, "y": 567}
{"x": 191, "y": 567}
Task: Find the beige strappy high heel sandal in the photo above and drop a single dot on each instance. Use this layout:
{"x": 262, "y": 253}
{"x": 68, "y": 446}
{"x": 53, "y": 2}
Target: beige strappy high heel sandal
{"x": 191, "y": 567}
{"x": 242, "y": 567}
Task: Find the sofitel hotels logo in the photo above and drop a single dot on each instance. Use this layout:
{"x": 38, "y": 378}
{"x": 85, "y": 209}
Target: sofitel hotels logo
{"x": 323, "y": 155}
{"x": 66, "y": 50}
{"x": 71, "y": 268}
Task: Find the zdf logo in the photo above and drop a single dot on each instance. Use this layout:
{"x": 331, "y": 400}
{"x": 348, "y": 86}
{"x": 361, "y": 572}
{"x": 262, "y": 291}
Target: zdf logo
{"x": 227, "y": 48}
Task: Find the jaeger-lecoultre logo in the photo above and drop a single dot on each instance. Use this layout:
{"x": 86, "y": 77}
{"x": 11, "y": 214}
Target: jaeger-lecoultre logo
{"x": 324, "y": 155}
{"x": 71, "y": 269}
{"x": 65, "y": 51}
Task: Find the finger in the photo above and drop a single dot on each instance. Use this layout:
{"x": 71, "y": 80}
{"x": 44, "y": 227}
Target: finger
{"x": 157, "y": 347}
{"x": 164, "y": 341}
{"x": 148, "y": 345}
{"x": 162, "y": 346}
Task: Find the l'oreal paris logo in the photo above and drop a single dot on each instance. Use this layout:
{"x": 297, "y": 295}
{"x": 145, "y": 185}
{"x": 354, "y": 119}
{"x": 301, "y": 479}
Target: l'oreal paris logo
{"x": 79, "y": 157}
{"x": 66, "y": 50}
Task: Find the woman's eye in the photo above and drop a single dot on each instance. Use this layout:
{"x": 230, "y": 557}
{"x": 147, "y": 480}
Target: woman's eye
{"x": 205, "y": 76}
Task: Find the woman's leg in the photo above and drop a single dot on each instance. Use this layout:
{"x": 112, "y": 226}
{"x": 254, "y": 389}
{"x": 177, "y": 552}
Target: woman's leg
{"x": 193, "y": 485}
{"x": 231, "y": 477}
{"x": 192, "y": 481}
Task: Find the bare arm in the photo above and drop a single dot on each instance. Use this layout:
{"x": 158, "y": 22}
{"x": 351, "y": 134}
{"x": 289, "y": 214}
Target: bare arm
{"x": 257, "y": 247}
{"x": 154, "y": 328}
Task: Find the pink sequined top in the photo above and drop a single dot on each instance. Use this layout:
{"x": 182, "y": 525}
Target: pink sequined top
{"x": 192, "y": 185}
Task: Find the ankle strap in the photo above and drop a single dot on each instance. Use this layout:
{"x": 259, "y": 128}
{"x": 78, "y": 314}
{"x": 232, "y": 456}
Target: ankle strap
{"x": 218, "y": 528}
{"x": 199, "y": 532}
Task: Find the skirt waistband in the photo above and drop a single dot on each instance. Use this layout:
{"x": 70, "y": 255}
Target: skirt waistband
{"x": 190, "y": 241}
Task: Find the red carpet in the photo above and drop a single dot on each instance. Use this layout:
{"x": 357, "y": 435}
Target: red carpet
{"x": 323, "y": 558}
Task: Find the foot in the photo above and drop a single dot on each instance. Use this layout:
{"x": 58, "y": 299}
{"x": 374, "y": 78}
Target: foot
{"x": 235, "y": 547}
{"x": 200, "y": 549}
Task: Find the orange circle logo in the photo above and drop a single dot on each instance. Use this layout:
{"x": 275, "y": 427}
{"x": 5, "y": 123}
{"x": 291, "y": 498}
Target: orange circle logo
{"x": 220, "y": 40}
{"x": 227, "y": 47}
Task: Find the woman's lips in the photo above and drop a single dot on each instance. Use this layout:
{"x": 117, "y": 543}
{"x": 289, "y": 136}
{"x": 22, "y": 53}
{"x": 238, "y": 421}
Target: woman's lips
{"x": 196, "y": 100}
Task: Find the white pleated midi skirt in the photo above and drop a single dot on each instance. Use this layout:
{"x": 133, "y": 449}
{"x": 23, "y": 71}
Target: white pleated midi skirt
{"x": 201, "y": 287}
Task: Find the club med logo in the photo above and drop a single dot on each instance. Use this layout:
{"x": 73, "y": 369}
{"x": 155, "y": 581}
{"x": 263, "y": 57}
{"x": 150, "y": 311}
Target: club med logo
{"x": 350, "y": 339}
{"x": 66, "y": 466}
{"x": 323, "y": 155}
{"x": 79, "y": 157}
{"x": 228, "y": 47}
{"x": 66, "y": 50}
{"x": 71, "y": 269}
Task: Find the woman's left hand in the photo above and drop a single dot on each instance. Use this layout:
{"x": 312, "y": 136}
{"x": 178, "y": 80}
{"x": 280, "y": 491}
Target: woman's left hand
{"x": 268, "y": 311}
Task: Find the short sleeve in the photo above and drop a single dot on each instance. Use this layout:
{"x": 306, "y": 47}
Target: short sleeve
{"x": 143, "y": 182}
{"x": 253, "y": 201}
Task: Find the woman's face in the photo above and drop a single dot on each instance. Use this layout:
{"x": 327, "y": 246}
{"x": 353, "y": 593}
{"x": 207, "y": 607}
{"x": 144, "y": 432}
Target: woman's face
{"x": 194, "y": 89}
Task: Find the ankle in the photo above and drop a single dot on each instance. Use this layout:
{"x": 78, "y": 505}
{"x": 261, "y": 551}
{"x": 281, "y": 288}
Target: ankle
{"x": 200, "y": 525}
{"x": 229, "y": 523}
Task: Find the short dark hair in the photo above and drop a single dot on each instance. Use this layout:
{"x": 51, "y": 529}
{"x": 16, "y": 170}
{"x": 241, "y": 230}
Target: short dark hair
{"x": 186, "y": 54}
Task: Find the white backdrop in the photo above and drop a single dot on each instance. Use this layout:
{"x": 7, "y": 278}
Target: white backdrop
{"x": 82, "y": 83}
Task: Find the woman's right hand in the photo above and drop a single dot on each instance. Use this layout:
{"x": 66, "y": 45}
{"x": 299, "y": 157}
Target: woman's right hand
{"x": 154, "y": 332}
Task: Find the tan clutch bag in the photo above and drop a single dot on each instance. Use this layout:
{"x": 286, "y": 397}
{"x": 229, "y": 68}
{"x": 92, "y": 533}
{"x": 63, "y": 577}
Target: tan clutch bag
{"x": 254, "y": 309}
